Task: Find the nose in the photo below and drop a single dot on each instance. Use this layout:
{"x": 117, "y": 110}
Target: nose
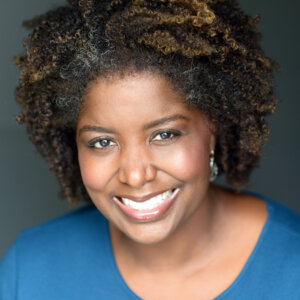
{"x": 136, "y": 168}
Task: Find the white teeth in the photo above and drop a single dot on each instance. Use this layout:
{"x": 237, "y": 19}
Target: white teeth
{"x": 148, "y": 204}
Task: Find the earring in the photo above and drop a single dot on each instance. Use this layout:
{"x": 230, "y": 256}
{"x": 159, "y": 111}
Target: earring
{"x": 213, "y": 167}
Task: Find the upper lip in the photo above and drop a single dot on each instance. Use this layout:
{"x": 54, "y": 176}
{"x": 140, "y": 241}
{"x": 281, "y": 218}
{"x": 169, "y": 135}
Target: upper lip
{"x": 142, "y": 198}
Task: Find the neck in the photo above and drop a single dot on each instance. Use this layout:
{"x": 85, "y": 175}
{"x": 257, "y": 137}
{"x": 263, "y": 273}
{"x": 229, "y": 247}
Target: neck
{"x": 196, "y": 238}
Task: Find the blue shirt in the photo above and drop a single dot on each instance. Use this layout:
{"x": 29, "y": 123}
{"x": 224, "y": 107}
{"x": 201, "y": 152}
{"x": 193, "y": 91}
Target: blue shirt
{"x": 71, "y": 258}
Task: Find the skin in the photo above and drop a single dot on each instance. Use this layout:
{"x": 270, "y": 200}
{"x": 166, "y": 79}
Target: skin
{"x": 192, "y": 242}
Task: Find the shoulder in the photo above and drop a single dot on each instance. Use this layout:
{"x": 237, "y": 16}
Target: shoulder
{"x": 279, "y": 253}
{"x": 282, "y": 226}
{"x": 60, "y": 240}
{"x": 284, "y": 218}
{"x": 272, "y": 270}
{"x": 279, "y": 217}
{"x": 283, "y": 233}
{"x": 62, "y": 232}
{"x": 278, "y": 244}
{"x": 277, "y": 257}
{"x": 54, "y": 252}
{"x": 282, "y": 223}
{"x": 68, "y": 257}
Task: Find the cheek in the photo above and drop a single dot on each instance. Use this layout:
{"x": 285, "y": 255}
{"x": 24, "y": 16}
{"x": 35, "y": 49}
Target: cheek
{"x": 95, "y": 174}
{"x": 188, "y": 162}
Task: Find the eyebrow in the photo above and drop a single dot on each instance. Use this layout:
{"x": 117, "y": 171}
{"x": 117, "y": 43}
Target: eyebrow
{"x": 147, "y": 126}
{"x": 165, "y": 120}
{"x": 95, "y": 128}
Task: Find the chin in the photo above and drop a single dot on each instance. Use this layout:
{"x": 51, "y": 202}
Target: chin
{"x": 148, "y": 233}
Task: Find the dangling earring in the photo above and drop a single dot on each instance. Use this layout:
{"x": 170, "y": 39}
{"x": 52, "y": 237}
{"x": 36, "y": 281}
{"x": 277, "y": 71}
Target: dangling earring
{"x": 213, "y": 167}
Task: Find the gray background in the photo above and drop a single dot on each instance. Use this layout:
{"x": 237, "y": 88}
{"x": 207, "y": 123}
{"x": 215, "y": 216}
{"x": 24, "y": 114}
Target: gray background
{"x": 29, "y": 192}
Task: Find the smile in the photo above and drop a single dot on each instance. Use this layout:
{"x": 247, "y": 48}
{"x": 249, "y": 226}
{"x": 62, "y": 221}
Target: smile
{"x": 149, "y": 209}
{"x": 148, "y": 204}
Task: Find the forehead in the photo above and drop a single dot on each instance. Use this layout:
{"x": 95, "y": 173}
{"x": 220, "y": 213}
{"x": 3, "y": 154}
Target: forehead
{"x": 141, "y": 96}
{"x": 141, "y": 88}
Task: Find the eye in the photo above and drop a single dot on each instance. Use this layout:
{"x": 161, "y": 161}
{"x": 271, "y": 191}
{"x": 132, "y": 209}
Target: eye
{"x": 101, "y": 143}
{"x": 166, "y": 135}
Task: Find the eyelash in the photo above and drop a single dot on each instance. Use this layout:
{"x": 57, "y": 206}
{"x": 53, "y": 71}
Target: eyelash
{"x": 92, "y": 143}
{"x": 174, "y": 134}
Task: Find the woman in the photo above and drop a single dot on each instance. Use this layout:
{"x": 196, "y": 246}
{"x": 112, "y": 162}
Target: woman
{"x": 137, "y": 106}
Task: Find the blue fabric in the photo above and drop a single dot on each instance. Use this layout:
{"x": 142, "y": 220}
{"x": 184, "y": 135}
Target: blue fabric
{"x": 71, "y": 258}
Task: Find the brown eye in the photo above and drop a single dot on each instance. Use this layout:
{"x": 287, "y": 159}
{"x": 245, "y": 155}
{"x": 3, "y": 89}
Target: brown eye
{"x": 166, "y": 135}
{"x": 101, "y": 143}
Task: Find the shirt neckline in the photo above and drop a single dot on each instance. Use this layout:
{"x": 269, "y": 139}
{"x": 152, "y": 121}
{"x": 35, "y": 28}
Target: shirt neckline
{"x": 129, "y": 292}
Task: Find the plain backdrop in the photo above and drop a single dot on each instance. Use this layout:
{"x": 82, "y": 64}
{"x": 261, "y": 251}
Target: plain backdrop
{"x": 29, "y": 192}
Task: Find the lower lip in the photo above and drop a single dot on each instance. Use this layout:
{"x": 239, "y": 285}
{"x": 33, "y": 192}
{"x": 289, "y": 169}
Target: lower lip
{"x": 147, "y": 215}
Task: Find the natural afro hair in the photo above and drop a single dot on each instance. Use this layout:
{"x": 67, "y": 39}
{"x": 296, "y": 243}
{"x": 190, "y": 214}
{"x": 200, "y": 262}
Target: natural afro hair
{"x": 208, "y": 49}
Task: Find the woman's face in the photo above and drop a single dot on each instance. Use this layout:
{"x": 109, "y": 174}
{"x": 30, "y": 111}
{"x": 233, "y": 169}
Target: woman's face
{"x": 143, "y": 155}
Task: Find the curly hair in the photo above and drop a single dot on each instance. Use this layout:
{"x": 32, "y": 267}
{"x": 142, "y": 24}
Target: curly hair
{"x": 208, "y": 49}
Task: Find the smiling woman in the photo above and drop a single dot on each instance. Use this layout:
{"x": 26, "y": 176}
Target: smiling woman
{"x": 137, "y": 106}
{"x": 143, "y": 148}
